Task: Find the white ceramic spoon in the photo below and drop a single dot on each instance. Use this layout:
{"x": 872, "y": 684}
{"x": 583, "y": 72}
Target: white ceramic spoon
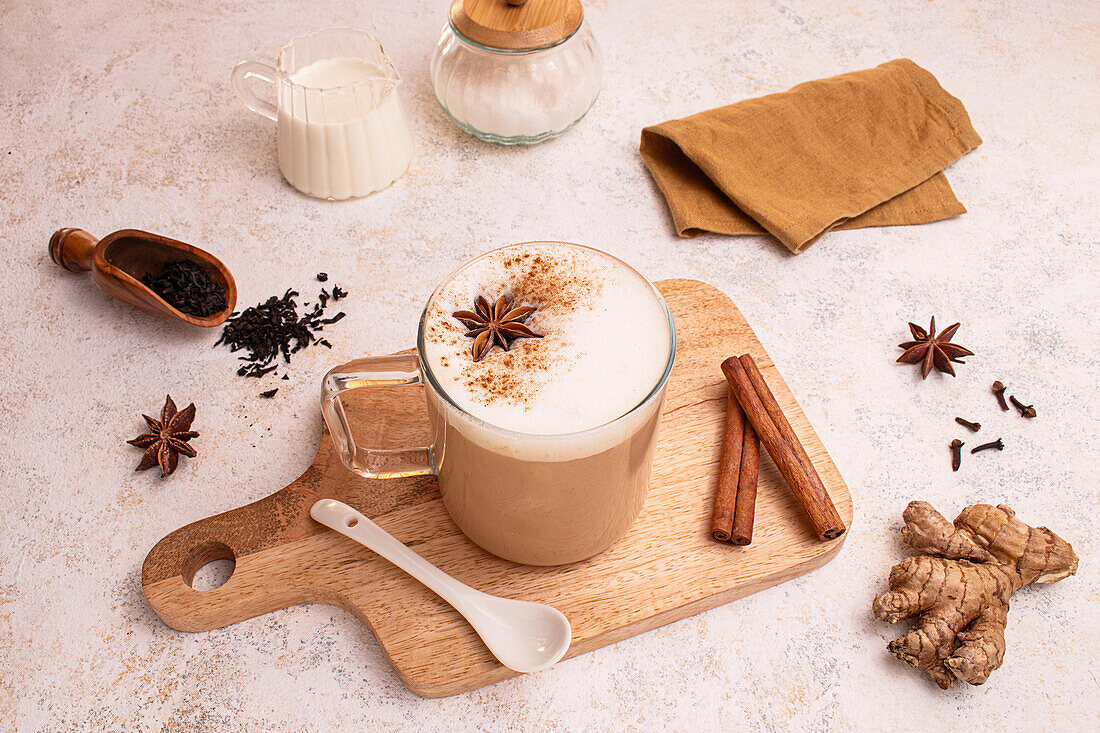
{"x": 522, "y": 635}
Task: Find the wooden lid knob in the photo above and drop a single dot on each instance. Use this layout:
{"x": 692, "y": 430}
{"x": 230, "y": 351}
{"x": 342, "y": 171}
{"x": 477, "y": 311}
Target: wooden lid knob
{"x": 516, "y": 25}
{"x": 73, "y": 248}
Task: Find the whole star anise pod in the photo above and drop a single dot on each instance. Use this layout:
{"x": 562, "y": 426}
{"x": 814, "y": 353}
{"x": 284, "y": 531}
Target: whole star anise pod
{"x": 168, "y": 438}
{"x": 933, "y": 350}
{"x": 496, "y": 325}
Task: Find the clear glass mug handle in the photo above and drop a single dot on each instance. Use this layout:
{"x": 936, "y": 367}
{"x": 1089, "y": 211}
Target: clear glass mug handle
{"x": 372, "y": 371}
{"x": 244, "y": 71}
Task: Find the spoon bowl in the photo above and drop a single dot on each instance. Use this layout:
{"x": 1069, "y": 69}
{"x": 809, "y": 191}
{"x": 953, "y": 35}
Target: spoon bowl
{"x": 120, "y": 260}
{"x": 522, "y": 635}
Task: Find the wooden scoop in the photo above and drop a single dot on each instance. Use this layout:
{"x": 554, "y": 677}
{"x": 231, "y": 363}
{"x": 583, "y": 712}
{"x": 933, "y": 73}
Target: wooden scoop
{"x": 120, "y": 260}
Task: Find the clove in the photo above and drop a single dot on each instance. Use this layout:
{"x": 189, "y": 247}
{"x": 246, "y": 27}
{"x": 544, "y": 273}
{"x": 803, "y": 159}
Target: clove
{"x": 974, "y": 426}
{"x": 956, "y": 454}
{"x": 997, "y": 444}
{"x": 999, "y": 391}
{"x": 1025, "y": 410}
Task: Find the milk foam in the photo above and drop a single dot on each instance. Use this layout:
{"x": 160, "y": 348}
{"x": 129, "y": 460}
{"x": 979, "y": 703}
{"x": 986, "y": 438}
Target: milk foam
{"x": 605, "y": 345}
{"x": 334, "y": 72}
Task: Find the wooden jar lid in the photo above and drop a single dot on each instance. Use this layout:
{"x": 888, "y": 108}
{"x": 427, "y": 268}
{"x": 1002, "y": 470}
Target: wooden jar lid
{"x": 516, "y": 25}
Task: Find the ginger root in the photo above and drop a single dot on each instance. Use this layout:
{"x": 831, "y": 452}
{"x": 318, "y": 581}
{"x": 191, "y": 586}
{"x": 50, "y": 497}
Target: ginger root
{"x": 960, "y": 586}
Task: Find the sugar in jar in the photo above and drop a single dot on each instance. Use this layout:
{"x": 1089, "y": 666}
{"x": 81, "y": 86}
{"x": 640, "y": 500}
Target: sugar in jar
{"x": 516, "y": 72}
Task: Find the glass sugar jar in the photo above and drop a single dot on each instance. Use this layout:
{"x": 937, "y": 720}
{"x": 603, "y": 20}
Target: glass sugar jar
{"x": 516, "y": 72}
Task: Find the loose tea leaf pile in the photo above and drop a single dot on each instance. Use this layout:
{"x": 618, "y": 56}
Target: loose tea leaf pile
{"x": 274, "y": 328}
{"x": 187, "y": 287}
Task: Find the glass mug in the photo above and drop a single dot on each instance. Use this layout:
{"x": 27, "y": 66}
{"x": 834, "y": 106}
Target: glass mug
{"x": 531, "y": 498}
{"x": 341, "y": 129}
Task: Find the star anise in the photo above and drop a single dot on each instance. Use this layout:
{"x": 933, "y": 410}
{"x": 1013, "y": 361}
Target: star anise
{"x": 496, "y": 325}
{"x": 933, "y": 350}
{"x": 167, "y": 439}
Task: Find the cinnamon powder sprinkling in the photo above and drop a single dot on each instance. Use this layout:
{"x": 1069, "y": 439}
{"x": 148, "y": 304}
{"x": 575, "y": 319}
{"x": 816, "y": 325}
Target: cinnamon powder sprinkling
{"x": 552, "y": 282}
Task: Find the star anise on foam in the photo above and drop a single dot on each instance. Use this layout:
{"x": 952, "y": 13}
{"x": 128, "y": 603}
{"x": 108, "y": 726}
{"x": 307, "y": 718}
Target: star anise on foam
{"x": 932, "y": 350}
{"x": 167, "y": 439}
{"x": 498, "y": 324}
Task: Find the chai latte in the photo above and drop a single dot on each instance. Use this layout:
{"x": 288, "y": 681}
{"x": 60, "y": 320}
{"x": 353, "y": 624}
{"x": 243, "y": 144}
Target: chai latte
{"x": 543, "y": 452}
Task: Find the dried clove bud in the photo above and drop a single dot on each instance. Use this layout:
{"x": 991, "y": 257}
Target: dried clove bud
{"x": 956, "y": 454}
{"x": 974, "y": 426}
{"x": 1025, "y": 410}
{"x": 996, "y": 444}
{"x": 999, "y": 391}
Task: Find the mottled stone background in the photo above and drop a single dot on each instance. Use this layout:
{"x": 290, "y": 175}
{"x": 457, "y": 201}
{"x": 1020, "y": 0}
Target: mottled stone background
{"x": 118, "y": 114}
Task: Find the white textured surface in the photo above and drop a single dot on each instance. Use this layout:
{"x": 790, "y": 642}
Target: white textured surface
{"x": 118, "y": 114}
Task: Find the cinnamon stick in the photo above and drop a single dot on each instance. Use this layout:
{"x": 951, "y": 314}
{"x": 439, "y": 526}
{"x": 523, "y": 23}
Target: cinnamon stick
{"x": 783, "y": 446}
{"x": 785, "y": 429}
{"x": 745, "y": 507}
{"x": 729, "y": 468}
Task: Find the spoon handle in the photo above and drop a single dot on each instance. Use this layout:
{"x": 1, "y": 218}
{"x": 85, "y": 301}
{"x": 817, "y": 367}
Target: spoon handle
{"x": 347, "y": 521}
{"x": 73, "y": 249}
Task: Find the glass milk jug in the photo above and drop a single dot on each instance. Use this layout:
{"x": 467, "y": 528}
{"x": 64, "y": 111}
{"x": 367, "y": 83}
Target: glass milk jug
{"x": 341, "y": 129}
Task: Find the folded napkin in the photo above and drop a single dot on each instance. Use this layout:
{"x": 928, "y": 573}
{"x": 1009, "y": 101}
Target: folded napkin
{"x": 857, "y": 150}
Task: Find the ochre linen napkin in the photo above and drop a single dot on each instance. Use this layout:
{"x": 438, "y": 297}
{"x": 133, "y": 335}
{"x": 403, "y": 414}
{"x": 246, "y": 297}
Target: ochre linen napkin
{"x": 857, "y": 150}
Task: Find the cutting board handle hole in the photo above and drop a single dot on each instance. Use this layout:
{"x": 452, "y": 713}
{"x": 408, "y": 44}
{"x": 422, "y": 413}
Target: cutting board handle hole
{"x": 350, "y": 521}
{"x": 209, "y": 566}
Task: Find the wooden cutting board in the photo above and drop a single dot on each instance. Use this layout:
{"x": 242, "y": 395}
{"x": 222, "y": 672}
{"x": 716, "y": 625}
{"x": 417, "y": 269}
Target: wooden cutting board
{"x": 666, "y": 568}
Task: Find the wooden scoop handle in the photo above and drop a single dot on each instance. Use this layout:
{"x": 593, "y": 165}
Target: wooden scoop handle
{"x": 73, "y": 248}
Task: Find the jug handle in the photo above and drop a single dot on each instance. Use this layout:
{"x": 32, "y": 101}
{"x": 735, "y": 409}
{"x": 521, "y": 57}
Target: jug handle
{"x": 244, "y": 71}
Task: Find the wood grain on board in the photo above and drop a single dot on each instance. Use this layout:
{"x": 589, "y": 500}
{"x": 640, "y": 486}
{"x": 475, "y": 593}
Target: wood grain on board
{"x": 666, "y": 568}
